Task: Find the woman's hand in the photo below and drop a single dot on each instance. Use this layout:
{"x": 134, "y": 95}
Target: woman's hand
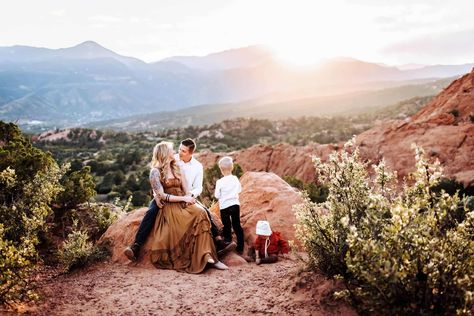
{"x": 189, "y": 199}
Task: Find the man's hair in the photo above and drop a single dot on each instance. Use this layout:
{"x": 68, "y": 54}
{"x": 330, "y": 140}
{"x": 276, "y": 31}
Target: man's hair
{"x": 188, "y": 142}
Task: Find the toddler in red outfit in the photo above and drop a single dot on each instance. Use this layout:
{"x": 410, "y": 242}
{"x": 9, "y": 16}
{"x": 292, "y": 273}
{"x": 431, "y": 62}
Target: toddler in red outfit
{"x": 267, "y": 245}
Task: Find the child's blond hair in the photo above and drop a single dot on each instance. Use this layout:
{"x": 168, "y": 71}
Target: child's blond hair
{"x": 226, "y": 163}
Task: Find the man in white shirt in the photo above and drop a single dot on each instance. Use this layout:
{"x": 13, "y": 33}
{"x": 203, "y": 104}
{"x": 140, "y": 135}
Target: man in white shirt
{"x": 193, "y": 170}
{"x": 194, "y": 173}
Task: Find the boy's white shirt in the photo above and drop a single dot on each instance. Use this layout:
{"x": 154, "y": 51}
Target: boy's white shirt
{"x": 227, "y": 191}
{"x": 194, "y": 173}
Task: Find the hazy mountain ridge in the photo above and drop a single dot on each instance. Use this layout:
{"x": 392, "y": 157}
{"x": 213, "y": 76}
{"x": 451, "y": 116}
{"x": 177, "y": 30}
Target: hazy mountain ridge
{"x": 345, "y": 104}
{"x": 87, "y": 82}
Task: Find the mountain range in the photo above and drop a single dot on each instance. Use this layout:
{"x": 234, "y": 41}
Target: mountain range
{"x": 41, "y": 88}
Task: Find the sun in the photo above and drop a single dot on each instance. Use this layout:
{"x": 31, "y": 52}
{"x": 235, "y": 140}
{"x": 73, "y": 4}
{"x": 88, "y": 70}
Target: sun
{"x": 307, "y": 34}
{"x": 299, "y": 56}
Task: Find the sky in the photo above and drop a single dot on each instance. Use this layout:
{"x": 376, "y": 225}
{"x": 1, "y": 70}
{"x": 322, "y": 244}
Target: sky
{"x": 299, "y": 31}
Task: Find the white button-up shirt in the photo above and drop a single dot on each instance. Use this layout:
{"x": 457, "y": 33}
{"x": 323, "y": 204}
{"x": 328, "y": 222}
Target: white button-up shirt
{"x": 227, "y": 191}
{"x": 194, "y": 174}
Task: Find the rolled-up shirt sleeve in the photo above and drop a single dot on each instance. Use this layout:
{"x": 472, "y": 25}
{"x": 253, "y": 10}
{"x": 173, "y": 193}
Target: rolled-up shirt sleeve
{"x": 217, "y": 192}
{"x": 196, "y": 187}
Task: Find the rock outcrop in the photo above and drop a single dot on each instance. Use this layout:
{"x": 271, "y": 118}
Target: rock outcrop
{"x": 265, "y": 196}
{"x": 281, "y": 159}
{"x": 444, "y": 128}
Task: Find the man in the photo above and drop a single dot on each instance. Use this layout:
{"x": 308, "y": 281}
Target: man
{"x": 194, "y": 173}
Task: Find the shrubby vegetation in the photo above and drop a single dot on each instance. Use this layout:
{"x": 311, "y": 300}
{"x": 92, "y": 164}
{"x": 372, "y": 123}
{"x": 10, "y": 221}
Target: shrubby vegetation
{"x": 315, "y": 192}
{"x": 77, "y": 250}
{"x": 29, "y": 182}
{"x": 119, "y": 161}
{"x": 408, "y": 252}
{"x": 36, "y": 194}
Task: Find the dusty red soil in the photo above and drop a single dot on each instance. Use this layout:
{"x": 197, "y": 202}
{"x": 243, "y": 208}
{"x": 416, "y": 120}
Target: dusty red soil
{"x": 117, "y": 289}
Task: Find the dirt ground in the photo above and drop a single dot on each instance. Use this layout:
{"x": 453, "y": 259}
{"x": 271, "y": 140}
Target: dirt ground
{"x": 116, "y": 289}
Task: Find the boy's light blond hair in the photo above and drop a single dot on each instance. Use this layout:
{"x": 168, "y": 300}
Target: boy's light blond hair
{"x": 226, "y": 163}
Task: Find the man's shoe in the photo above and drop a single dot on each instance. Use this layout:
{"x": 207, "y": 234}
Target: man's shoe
{"x": 225, "y": 247}
{"x": 132, "y": 252}
{"x": 220, "y": 266}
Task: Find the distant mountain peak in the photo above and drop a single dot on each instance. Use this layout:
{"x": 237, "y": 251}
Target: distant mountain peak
{"x": 90, "y": 47}
{"x": 90, "y": 44}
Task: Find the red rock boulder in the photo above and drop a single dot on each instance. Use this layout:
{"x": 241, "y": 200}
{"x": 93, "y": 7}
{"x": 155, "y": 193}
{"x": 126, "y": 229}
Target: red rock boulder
{"x": 265, "y": 196}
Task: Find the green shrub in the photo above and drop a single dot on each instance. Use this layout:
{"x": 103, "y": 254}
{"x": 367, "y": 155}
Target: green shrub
{"x": 78, "y": 251}
{"x": 15, "y": 269}
{"x": 29, "y": 181}
{"x": 105, "y": 215}
{"x": 316, "y": 193}
{"x": 320, "y": 225}
{"x": 294, "y": 182}
{"x": 78, "y": 188}
{"x": 399, "y": 253}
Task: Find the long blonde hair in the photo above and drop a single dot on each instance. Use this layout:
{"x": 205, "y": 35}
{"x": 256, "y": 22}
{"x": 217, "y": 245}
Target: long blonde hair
{"x": 161, "y": 160}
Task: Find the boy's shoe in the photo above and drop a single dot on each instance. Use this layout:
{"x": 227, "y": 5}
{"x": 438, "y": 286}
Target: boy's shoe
{"x": 220, "y": 266}
{"x": 224, "y": 247}
{"x": 132, "y": 252}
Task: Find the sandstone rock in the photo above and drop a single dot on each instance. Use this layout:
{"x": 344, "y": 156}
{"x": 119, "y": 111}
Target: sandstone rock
{"x": 443, "y": 128}
{"x": 265, "y": 196}
{"x": 281, "y": 159}
{"x": 232, "y": 259}
{"x": 122, "y": 233}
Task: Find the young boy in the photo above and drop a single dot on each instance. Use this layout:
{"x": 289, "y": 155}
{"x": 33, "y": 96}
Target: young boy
{"x": 227, "y": 192}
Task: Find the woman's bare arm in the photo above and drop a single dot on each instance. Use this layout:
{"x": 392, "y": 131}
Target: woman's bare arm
{"x": 158, "y": 191}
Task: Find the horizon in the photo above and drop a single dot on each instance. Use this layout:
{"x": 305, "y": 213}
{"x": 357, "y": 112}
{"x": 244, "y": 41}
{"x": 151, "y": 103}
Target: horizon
{"x": 409, "y": 65}
{"x": 298, "y": 33}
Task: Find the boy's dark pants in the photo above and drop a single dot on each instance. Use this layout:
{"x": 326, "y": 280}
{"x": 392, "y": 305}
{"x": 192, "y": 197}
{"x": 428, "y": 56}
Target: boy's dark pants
{"x": 230, "y": 217}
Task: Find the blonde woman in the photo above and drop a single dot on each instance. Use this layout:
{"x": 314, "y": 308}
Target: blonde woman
{"x": 182, "y": 235}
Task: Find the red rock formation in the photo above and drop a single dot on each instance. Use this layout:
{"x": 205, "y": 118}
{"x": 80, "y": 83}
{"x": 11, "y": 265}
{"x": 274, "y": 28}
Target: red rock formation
{"x": 281, "y": 159}
{"x": 444, "y": 128}
{"x": 264, "y": 196}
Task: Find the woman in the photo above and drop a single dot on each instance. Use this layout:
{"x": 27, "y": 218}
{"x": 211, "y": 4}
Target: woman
{"x": 182, "y": 235}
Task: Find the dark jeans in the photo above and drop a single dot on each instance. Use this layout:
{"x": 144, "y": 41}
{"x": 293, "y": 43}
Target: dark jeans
{"x": 148, "y": 222}
{"x": 230, "y": 217}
